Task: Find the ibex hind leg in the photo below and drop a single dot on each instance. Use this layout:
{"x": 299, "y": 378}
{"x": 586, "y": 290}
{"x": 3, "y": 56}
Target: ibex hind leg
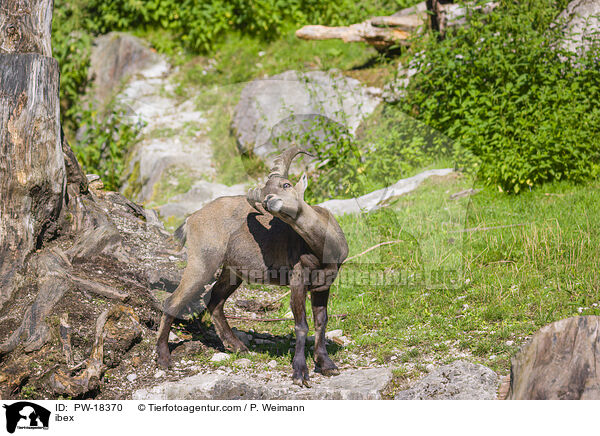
{"x": 298, "y": 305}
{"x": 197, "y": 274}
{"x": 323, "y": 362}
{"x": 226, "y": 285}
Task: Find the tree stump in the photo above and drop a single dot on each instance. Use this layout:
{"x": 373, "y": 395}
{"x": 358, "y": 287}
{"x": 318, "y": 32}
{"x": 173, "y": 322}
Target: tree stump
{"x": 560, "y": 362}
{"x": 32, "y": 166}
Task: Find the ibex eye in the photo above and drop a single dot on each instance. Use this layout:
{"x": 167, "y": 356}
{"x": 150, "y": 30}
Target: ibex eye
{"x": 286, "y": 185}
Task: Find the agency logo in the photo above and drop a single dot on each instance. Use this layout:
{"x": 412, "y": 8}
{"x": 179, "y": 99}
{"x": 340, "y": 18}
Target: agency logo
{"x": 26, "y": 415}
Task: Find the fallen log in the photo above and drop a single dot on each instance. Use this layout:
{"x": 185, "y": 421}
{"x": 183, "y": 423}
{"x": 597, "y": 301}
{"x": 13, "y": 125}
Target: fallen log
{"x": 397, "y": 29}
{"x": 362, "y": 32}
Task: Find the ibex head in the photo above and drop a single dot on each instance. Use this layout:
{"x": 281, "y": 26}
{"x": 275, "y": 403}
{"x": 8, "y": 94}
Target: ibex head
{"x": 279, "y": 196}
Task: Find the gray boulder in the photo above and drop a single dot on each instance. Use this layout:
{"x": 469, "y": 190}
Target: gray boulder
{"x": 114, "y": 57}
{"x": 173, "y": 143}
{"x": 200, "y": 194}
{"x": 265, "y": 103}
{"x": 582, "y": 24}
{"x": 460, "y": 380}
{"x": 560, "y": 362}
{"x": 360, "y": 384}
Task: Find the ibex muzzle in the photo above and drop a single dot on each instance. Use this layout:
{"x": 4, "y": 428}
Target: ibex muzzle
{"x": 271, "y": 236}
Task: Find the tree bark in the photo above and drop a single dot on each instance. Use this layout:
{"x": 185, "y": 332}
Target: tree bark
{"x": 25, "y": 26}
{"x": 32, "y": 165}
{"x": 445, "y": 13}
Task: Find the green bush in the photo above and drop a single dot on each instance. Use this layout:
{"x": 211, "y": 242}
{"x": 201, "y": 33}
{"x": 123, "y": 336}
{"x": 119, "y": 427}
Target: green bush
{"x": 104, "y": 142}
{"x": 71, "y": 48}
{"x": 505, "y": 93}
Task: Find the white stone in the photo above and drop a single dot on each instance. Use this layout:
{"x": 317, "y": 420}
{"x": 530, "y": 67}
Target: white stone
{"x": 242, "y": 363}
{"x": 219, "y": 357}
{"x": 376, "y": 199}
{"x": 333, "y": 333}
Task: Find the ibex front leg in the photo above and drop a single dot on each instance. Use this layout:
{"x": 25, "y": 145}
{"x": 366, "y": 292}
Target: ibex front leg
{"x": 323, "y": 363}
{"x": 298, "y": 305}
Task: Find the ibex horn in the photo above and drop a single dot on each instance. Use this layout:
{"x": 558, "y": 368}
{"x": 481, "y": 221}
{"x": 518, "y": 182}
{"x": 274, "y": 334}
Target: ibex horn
{"x": 282, "y": 163}
{"x": 254, "y": 197}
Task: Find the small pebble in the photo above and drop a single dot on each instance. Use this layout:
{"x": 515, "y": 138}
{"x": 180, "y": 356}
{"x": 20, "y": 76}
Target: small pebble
{"x": 131, "y": 377}
{"x": 333, "y": 334}
{"x": 219, "y": 357}
{"x": 242, "y": 363}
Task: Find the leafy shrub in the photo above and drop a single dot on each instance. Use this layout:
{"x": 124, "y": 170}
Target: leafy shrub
{"x": 71, "y": 48}
{"x": 104, "y": 143}
{"x": 503, "y": 90}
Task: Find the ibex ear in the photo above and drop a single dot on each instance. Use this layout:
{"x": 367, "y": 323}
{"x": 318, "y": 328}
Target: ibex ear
{"x": 301, "y": 185}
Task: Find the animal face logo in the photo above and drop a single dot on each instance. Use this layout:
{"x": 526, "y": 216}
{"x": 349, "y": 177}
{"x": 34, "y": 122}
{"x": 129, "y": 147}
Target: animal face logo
{"x": 27, "y": 415}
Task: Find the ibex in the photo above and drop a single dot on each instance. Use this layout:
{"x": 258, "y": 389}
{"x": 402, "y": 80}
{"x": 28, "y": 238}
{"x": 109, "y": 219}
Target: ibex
{"x": 270, "y": 236}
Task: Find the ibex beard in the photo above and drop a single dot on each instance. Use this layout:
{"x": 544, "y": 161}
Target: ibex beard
{"x": 269, "y": 236}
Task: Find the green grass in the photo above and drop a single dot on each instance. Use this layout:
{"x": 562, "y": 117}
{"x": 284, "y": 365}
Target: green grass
{"x": 242, "y": 58}
{"x": 507, "y": 282}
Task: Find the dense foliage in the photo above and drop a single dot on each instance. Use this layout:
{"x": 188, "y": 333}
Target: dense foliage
{"x": 103, "y": 143}
{"x": 520, "y": 110}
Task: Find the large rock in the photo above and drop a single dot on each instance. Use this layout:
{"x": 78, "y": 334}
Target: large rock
{"x": 166, "y": 151}
{"x": 360, "y": 384}
{"x": 173, "y": 145}
{"x": 460, "y": 380}
{"x": 265, "y": 103}
{"x": 200, "y": 194}
{"x": 374, "y": 200}
{"x": 114, "y": 57}
{"x": 582, "y": 24}
{"x": 560, "y": 362}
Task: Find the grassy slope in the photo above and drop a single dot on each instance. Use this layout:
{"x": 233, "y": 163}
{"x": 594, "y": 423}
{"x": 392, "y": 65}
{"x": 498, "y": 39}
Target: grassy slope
{"x": 508, "y": 282}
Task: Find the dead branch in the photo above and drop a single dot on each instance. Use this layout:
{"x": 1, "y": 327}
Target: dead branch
{"x": 397, "y": 29}
{"x": 247, "y": 318}
{"x": 482, "y": 229}
{"x": 371, "y": 249}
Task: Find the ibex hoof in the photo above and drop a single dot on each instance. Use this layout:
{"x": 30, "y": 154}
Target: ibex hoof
{"x": 164, "y": 361}
{"x": 302, "y": 382}
{"x": 236, "y": 348}
{"x": 329, "y": 372}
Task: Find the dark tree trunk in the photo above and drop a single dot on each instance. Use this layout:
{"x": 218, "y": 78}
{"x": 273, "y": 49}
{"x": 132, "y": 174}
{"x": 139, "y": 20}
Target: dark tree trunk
{"x": 32, "y": 165}
{"x": 104, "y": 246}
{"x": 435, "y": 11}
{"x": 25, "y": 26}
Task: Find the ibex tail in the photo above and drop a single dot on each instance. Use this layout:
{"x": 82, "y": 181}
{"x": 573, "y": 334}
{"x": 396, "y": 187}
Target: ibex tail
{"x": 181, "y": 233}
